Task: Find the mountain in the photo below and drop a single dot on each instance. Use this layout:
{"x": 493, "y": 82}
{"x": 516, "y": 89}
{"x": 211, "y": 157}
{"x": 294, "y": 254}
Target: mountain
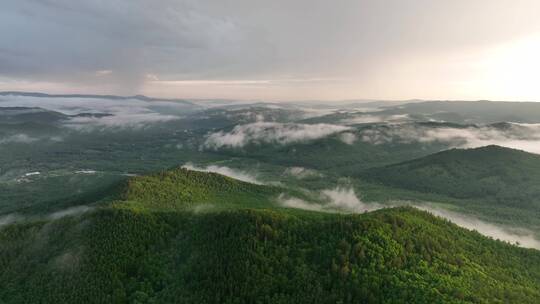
{"x": 489, "y": 178}
{"x": 481, "y": 111}
{"x": 191, "y": 237}
{"x": 13, "y": 115}
{"x": 93, "y": 96}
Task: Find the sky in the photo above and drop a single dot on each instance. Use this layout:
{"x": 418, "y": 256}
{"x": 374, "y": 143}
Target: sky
{"x": 274, "y": 50}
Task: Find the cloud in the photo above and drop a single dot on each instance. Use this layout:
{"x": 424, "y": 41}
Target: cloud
{"x": 294, "y": 202}
{"x": 270, "y": 132}
{"x": 67, "y": 41}
{"x": 342, "y": 199}
{"x": 301, "y": 172}
{"x": 233, "y": 173}
{"x": 374, "y": 118}
{"x": 348, "y": 138}
{"x": 518, "y": 136}
{"x": 525, "y": 238}
{"x": 103, "y": 112}
{"x": 345, "y": 199}
{"x": 121, "y": 120}
{"x": 10, "y": 219}
{"x": 13, "y": 218}
{"x": 69, "y": 212}
{"x": 339, "y": 199}
{"x": 18, "y": 138}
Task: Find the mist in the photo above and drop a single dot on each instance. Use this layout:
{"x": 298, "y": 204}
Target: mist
{"x": 270, "y": 132}
{"x": 517, "y": 136}
{"x": 523, "y": 238}
{"x": 346, "y": 200}
{"x": 233, "y": 173}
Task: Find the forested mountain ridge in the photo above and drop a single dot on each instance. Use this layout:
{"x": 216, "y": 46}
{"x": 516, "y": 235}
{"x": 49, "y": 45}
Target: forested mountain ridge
{"x": 155, "y": 246}
{"x": 505, "y": 175}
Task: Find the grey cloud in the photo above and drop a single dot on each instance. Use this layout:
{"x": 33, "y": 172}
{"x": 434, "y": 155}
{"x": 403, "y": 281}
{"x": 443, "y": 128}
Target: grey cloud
{"x": 72, "y": 41}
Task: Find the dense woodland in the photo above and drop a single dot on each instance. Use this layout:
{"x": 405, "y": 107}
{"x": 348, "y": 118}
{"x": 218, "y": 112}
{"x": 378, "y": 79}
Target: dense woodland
{"x": 204, "y": 238}
{"x": 499, "y": 181}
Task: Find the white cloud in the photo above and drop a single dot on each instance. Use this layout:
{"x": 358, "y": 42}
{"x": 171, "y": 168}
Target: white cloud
{"x": 271, "y": 132}
{"x": 518, "y": 136}
{"x": 18, "y": 138}
{"x": 339, "y": 199}
{"x": 525, "y": 238}
{"x": 374, "y": 118}
{"x": 301, "y": 172}
{"x": 69, "y": 212}
{"x": 10, "y": 219}
{"x": 233, "y": 173}
{"x": 342, "y": 199}
{"x": 294, "y": 202}
{"x": 348, "y": 138}
{"x": 121, "y": 112}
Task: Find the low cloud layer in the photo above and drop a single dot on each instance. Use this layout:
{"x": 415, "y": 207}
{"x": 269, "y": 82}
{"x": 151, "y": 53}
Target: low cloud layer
{"x": 374, "y": 118}
{"x": 524, "y": 239}
{"x": 103, "y": 112}
{"x": 348, "y": 138}
{"x": 301, "y": 172}
{"x": 270, "y": 132}
{"x": 13, "y": 218}
{"x": 18, "y": 138}
{"x": 233, "y": 173}
{"x": 518, "y": 136}
{"x": 342, "y": 199}
{"x": 339, "y": 199}
{"x": 69, "y": 212}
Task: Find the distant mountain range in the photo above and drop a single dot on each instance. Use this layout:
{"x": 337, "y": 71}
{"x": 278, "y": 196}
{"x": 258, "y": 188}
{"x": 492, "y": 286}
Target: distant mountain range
{"x": 112, "y": 97}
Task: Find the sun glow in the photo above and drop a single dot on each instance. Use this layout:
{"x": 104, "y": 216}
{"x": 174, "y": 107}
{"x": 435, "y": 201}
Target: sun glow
{"x": 512, "y": 70}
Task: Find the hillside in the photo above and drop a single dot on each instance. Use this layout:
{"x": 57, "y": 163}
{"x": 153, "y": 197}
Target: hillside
{"x": 508, "y": 176}
{"x": 155, "y": 246}
{"x": 495, "y": 183}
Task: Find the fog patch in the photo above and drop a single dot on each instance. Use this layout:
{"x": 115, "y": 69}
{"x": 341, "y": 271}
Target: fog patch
{"x": 270, "y": 132}
{"x": 348, "y": 138}
{"x": 92, "y": 113}
{"x": 518, "y": 136}
{"x": 118, "y": 121}
{"x": 297, "y": 203}
{"x": 343, "y": 199}
{"x": 339, "y": 199}
{"x": 301, "y": 172}
{"x": 68, "y": 261}
{"x": 374, "y": 118}
{"x": 18, "y": 138}
{"x": 233, "y": 173}
{"x": 10, "y": 219}
{"x": 523, "y": 239}
{"x": 69, "y": 212}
